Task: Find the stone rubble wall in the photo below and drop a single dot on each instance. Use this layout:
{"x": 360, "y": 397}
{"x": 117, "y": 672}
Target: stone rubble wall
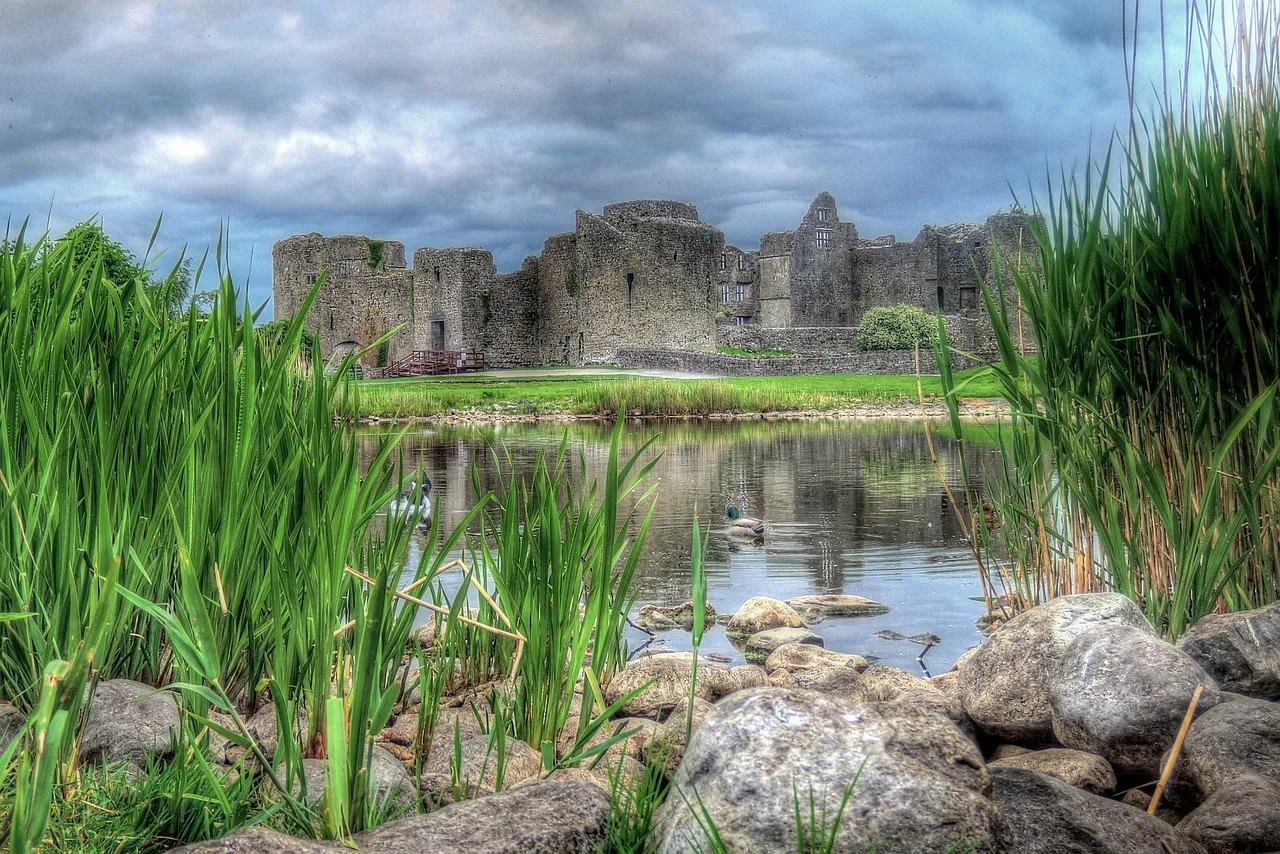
{"x": 877, "y": 362}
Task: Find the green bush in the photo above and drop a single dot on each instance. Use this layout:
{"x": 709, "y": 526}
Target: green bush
{"x": 896, "y": 327}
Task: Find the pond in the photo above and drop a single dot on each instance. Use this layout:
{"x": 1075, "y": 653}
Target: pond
{"x": 851, "y": 507}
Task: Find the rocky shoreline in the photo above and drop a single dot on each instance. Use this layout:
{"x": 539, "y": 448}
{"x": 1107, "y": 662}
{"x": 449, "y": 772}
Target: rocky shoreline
{"x": 974, "y": 409}
{"x": 1048, "y": 737}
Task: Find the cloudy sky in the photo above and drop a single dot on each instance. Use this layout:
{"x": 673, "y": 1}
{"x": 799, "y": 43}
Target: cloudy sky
{"x": 488, "y": 123}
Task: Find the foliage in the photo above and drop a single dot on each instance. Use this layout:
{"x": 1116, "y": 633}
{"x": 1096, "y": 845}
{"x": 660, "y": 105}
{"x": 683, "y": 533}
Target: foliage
{"x": 764, "y": 352}
{"x": 1146, "y": 437}
{"x": 571, "y": 281}
{"x": 375, "y": 254}
{"x": 895, "y": 327}
{"x": 88, "y": 241}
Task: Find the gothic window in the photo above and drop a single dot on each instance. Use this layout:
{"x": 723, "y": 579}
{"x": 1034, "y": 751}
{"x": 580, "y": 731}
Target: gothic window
{"x": 823, "y": 214}
{"x": 822, "y": 238}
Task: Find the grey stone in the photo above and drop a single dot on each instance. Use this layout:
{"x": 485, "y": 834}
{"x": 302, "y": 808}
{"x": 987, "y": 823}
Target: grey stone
{"x": 1243, "y": 815}
{"x": 259, "y": 840}
{"x": 1241, "y": 651}
{"x": 661, "y": 618}
{"x": 11, "y": 723}
{"x": 479, "y": 766}
{"x": 1004, "y": 685}
{"x": 796, "y": 657}
{"x": 920, "y": 785}
{"x": 821, "y": 607}
{"x": 1036, "y": 814}
{"x": 1073, "y": 767}
{"x": 546, "y": 817}
{"x": 1122, "y": 693}
{"x": 668, "y": 742}
{"x": 748, "y": 676}
{"x": 601, "y": 774}
{"x": 761, "y": 644}
{"x": 761, "y": 613}
{"x": 670, "y": 675}
{"x": 129, "y": 721}
{"x": 1231, "y": 740}
{"x": 390, "y": 782}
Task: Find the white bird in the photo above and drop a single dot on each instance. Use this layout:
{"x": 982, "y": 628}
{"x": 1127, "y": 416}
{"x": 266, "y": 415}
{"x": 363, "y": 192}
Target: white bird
{"x": 408, "y": 505}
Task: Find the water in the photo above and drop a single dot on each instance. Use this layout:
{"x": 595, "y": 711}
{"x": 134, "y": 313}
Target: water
{"x": 851, "y": 507}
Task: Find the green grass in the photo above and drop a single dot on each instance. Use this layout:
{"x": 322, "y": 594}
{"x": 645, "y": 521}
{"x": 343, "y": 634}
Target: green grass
{"x": 607, "y": 396}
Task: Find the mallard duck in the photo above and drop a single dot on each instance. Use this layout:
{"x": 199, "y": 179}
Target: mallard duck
{"x": 408, "y": 505}
{"x": 744, "y": 525}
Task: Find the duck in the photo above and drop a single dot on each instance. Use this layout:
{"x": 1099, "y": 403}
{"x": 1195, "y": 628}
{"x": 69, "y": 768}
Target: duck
{"x": 407, "y": 505}
{"x": 744, "y": 525}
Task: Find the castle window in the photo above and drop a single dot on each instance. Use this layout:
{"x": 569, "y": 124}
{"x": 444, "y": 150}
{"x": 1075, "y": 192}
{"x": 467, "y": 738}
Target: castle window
{"x": 822, "y": 238}
{"x": 631, "y": 288}
{"x": 740, "y": 320}
{"x": 726, "y": 292}
{"x": 740, "y": 291}
{"x": 675, "y": 256}
{"x": 942, "y": 299}
{"x": 724, "y": 260}
{"x": 742, "y": 262}
{"x": 311, "y": 278}
{"x": 437, "y": 275}
{"x": 823, "y": 214}
{"x": 331, "y": 320}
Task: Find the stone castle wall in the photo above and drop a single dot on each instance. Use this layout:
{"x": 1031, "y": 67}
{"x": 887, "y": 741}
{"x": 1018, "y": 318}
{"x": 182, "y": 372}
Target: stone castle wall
{"x": 645, "y": 276}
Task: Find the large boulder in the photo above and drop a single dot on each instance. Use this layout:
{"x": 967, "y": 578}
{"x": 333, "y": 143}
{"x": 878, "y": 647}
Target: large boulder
{"x": 760, "y": 645}
{"x": 1122, "y": 693}
{"x": 1036, "y": 814}
{"x": 1004, "y": 684}
{"x": 478, "y": 770}
{"x": 129, "y": 721}
{"x": 545, "y": 817}
{"x": 820, "y": 607}
{"x": 1073, "y": 767}
{"x": 668, "y": 742}
{"x": 1243, "y": 815}
{"x": 669, "y": 675}
{"x": 747, "y": 676}
{"x": 803, "y": 656}
{"x": 1230, "y": 741}
{"x": 915, "y": 783}
{"x": 760, "y": 614}
{"x": 1241, "y": 651}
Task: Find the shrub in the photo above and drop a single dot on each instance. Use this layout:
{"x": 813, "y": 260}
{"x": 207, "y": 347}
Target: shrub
{"x": 896, "y": 327}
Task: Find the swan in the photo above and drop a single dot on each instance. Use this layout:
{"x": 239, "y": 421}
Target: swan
{"x": 408, "y": 505}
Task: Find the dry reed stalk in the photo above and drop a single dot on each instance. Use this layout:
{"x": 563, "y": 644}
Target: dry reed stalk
{"x": 1177, "y": 750}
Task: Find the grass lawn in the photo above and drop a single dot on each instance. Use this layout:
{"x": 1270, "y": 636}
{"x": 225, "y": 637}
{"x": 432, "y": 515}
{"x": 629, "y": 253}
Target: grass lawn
{"x": 610, "y": 394}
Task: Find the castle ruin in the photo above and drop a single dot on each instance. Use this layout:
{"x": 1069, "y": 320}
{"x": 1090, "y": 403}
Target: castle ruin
{"x": 646, "y": 275}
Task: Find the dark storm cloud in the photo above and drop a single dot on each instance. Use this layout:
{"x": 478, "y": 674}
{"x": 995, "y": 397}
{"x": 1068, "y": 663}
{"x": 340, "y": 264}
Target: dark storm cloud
{"x": 452, "y": 123}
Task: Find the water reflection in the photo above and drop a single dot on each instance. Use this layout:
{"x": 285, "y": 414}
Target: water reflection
{"x": 851, "y": 507}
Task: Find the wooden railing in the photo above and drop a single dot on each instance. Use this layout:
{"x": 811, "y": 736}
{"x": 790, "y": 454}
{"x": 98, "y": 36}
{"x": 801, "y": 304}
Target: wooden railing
{"x": 421, "y": 363}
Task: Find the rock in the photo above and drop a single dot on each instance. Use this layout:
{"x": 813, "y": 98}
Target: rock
{"x": 601, "y": 775}
{"x": 795, "y": 657}
{"x": 882, "y": 682}
{"x": 1241, "y": 651}
{"x": 129, "y": 721}
{"x": 1005, "y": 751}
{"x": 1231, "y": 740}
{"x": 1036, "y": 814}
{"x": 671, "y": 674}
{"x": 1004, "y": 686}
{"x": 1242, "y": 815}
{"x": 390, "y": 781}
{"x": 782, "y": 678}
{"x": 920, "y": 785}
{"x": 259, "y": 840}
{"x": 748, "y": 676}
{"x": 760, "y": 614}
{"x": 264, "y": 728}
{"x": 841, "y": 681}
{"x": 662, "y": 618}
{"x": 1073, "y": 767}
{"x": 963, "y": 660}
{"x": 545, "y": 817}
{"x": 761, "y": 644}
{"x": 1122, "y": 693}
{"x": 11, "y": 723}
{"x": 813, "y": 608}
{"x": 947, "y": 683}
{"x": 479, "y": 767}
{"x": 667, "y": 744}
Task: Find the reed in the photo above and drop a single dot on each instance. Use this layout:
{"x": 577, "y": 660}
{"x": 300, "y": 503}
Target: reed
{"x": 1144, "y": 439}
